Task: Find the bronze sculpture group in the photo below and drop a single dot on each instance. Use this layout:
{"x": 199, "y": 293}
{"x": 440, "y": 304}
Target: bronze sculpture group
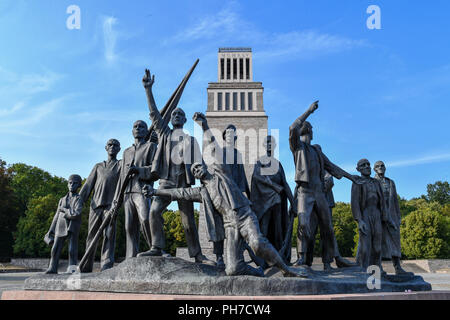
{"x": 259, "y": 220}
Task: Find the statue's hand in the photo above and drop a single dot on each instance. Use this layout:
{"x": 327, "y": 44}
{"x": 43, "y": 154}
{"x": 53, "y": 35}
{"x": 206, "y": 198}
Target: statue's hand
{"x": 392, "y": 224}
{"x": 49, "y": 238}
{"x": 199, "y": 117}
{"x": 314, "y": 106}
{"x": 148, "y": 79}
{"x": 292, "y": 211}
{"x": 68, "y": 216}
{"x": 154, "y": 137}
{"x": 304, "y": 226}
{"x": 362, "y": 227}
{"x": 133, "y": 170}
{"x": 148, "y": 191}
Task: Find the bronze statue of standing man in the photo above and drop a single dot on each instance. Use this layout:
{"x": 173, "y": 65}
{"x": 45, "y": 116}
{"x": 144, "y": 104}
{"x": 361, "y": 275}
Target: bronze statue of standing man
{"x": 102, "y": 183}
{"x": 390, "y": 247}
{"x": 136, "y": 160}
{"x": 176, "y": 153}
{"x": 269, "y": 197}
{"x": 310, "y": 166}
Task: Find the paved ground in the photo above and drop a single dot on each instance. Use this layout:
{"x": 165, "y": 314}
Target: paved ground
{"x": 15, "y": 281}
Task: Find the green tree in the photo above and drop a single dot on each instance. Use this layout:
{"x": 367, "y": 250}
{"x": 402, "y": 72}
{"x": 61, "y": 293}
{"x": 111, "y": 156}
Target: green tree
{"x": 9, "y": 212}
{"x": 174, "y": 231}
{"x": 344, "y": 228}
{"x": 31, "y": 182}
{"x": 408, "y": 206}
{"x": 425, "y": 233}
{"x": 439, "y": 192}
{"x": 34, "y": 225}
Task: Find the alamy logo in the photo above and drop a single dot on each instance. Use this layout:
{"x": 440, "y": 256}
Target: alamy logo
{"x": 74, "y": 20}
{"x": 73, "y": 282}
{"x": 374, "y": 280}
{"x": 374, "y": 21}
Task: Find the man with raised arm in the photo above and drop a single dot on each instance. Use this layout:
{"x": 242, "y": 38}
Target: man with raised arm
{"x": 231, "y": 159}
{"x": 310, "y": 166}
{"x": 102, "y": 183}
{"x": 220, "y": 194}
{"x": 172, "y": 166}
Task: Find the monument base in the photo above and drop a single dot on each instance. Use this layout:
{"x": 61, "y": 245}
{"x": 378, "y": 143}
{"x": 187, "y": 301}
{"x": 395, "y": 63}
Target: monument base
{"x": 85, "y": 295}
{"x": 174, "y": 276}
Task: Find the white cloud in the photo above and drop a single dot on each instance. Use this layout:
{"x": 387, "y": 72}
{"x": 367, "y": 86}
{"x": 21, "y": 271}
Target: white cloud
{"x": 225, "y": 22}
{"x": 305, "y": 44}
{"x": 32, "y": 115}
{"x": 110, "y": 38}
{"x": 227, "y": 26}
{"x": 6, "y": 112}
{"x": 407, "y": 162}
{"x": 18, "y": 85}
{"x": 421, "y": 160}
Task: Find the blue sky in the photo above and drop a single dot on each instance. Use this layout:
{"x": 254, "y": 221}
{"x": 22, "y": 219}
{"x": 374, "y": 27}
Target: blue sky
{"x": 384, "y": 94}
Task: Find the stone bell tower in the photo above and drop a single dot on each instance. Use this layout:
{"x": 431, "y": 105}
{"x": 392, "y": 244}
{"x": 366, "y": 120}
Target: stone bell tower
{"x": 236, "y": 99}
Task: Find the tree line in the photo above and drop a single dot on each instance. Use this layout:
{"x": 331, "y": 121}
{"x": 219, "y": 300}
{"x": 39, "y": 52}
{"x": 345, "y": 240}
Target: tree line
{"x": 29, "y": 198}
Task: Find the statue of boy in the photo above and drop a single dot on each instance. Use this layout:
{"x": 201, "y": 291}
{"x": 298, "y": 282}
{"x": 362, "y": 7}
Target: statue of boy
{"x": 66, "y": 224}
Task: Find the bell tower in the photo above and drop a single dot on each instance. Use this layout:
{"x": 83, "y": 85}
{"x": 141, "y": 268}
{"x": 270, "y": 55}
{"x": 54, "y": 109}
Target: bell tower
{"x": 236, "y": 99}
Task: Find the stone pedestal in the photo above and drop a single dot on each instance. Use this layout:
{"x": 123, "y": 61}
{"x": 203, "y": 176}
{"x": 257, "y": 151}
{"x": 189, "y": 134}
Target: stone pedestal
{"x": 174, "y": 276}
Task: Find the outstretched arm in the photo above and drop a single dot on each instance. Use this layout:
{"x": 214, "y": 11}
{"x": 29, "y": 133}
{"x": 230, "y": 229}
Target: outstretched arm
{"x": 190, "y": 194}
{"x": 338, "y": 172}
{"x": 294, "y": 129}
{"x": 200, "y": 119}
{"x": 208, "y": 138}
{"x": 148, "y": 80}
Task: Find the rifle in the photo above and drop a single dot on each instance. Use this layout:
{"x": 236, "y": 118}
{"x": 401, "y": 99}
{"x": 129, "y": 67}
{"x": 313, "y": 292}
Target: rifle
{"x": 109, "y": 219}
{"x": 172, "y": 103}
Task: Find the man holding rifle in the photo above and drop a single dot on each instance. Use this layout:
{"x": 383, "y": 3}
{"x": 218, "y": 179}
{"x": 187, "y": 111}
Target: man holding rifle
{"x": 176, "y": 153}
{"x": 137, "y": 161}
{"x": 101, "y": 183}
